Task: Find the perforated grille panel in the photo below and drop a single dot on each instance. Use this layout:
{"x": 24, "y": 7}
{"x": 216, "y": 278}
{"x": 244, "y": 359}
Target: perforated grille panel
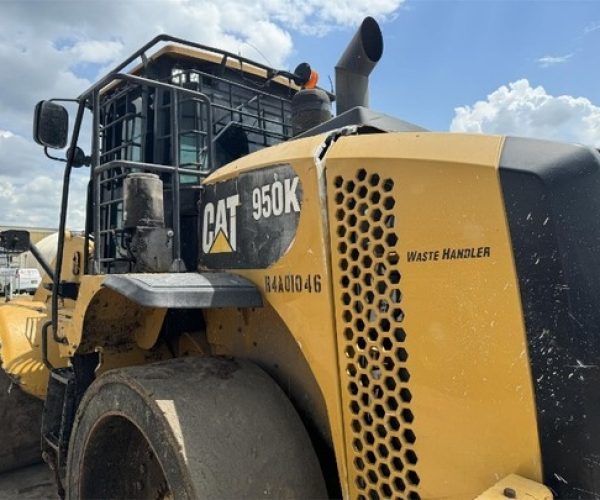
{"x": 375, "y": 376}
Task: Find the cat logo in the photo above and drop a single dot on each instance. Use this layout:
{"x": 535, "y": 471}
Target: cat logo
{"x": 219, "y": 228}
{"x": 249, "y": 221}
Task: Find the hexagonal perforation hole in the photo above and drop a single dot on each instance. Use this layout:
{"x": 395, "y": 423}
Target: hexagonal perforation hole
{"x": 377, "y": 380}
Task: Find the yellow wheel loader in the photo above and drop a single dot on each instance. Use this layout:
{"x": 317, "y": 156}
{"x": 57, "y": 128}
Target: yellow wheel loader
{"x": 271, "y": 301}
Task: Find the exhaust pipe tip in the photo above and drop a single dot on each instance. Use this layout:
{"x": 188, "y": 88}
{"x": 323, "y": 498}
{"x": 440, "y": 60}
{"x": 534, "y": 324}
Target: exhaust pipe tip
{"x": 372, "y": 39}
{"x": 364, "y": 50}
{"x": 354, "y": 67}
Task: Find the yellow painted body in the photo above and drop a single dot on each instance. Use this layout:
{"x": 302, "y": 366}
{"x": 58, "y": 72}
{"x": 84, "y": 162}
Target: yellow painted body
{"x": 21, "y": 323}
{"x": 472, "y": 412}
{"x": 471, "y": 417}
{"x": 308, "y": 315}
{"x": 417, "y": 371}
{"x": 121, "y": 330}
{"x": 20, "y": 335}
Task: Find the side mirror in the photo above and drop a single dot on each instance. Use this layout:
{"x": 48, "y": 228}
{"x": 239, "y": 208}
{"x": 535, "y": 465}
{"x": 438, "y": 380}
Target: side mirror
{"x": 50, "y": 125}
{"x": 14, "y": 241}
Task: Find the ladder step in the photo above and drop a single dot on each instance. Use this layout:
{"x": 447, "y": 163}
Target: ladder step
{"x": 63, "y": 378}
{"x": 51, "y": 441}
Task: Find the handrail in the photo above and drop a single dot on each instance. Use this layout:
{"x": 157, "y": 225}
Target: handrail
{"x": 174, "y": 169}
{"x": 175, "y": 88}
{"x": 271, "y": 73}
{"x": 63, "y": 221}
{"x": 148, "y": 166}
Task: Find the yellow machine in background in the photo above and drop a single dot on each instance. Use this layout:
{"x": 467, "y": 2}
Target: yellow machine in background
{"x": 269, "y": 301}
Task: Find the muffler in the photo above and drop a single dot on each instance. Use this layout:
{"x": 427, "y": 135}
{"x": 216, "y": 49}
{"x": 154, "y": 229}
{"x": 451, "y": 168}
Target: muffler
{"x": 353, "y": 69}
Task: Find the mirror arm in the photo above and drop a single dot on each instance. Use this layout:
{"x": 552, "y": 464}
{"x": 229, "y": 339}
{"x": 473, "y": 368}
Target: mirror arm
{"x": 53, "y": 157}
{"x": 63, "y": 221}
{"x": 60, "y": 99}
{"x": 41, "y": 260}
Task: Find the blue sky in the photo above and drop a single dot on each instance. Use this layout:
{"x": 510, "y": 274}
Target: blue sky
{"x": 442, "y": 54}
{"x": 505, "y": 67}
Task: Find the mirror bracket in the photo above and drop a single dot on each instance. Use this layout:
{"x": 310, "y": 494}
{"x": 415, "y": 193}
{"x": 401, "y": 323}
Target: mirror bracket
{"x": 53, "y": 157}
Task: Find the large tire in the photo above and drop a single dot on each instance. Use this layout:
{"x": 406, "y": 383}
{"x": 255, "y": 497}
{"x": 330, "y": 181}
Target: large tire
{"x": 190, "y": 428}
{"x": 20, "y": 426}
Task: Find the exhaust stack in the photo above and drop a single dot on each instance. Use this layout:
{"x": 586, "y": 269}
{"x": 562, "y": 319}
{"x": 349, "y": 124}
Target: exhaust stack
{"x": 353, "y": 69}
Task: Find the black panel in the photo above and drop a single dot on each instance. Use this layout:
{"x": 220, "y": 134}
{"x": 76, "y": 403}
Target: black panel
{"x": 249, "y": 221}
{"x": 552, "y": 197}
{"x": 367, "y": 120}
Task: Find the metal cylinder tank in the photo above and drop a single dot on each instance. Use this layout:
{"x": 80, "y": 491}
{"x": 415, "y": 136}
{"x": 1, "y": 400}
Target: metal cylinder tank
{"x": 143, "y": 201}
{"x": 310, "y": 107}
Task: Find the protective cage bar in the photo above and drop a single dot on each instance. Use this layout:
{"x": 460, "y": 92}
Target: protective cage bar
{"x": 122, "y": 139}
{"x": 141, "y": 53}
{"x": 180, "y": 126}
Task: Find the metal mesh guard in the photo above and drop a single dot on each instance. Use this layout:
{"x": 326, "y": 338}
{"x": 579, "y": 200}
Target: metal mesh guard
{"x": 375, "y": 375}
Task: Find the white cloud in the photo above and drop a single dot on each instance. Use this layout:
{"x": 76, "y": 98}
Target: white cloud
{"x": 31, "y": 186}
{"x": 261, "y": 39}
{"x": 35, "y": 201}
{"x": 591, "y": 27}
{"x": 520, "y": 109}
{"x": 348, "y": 12}
{"x": 18, "y": 156}
{"x": 319, "y": 17}
{"x": 31, "y": 73}
{"x": 96, "y": 51}
{"x": 547, "y": 61}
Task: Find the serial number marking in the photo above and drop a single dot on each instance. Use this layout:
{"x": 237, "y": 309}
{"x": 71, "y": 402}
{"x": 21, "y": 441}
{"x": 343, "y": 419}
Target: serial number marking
{"x": 293, "y": 283}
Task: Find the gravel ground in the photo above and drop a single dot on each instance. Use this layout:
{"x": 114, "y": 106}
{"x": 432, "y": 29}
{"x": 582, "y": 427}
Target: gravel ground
{"x": 33, "y": 483}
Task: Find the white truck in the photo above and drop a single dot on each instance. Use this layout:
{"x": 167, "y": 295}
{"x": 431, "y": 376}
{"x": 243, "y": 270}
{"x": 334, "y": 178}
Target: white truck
{"x": 19, "y": 280}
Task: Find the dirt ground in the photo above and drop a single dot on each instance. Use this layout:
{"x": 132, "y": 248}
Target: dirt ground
{"x": 33, "y": 483}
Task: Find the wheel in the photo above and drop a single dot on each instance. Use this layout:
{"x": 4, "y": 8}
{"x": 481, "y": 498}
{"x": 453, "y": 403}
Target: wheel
{"x": 21, "y": 423}
{"x": 190, "y": 428}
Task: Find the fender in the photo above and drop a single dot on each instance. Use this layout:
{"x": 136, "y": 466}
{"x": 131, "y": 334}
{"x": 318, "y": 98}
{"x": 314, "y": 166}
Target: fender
{"x": 133, "y": 325}
{"x": 21, "y": 322}
{"x": 100, "y": 307}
